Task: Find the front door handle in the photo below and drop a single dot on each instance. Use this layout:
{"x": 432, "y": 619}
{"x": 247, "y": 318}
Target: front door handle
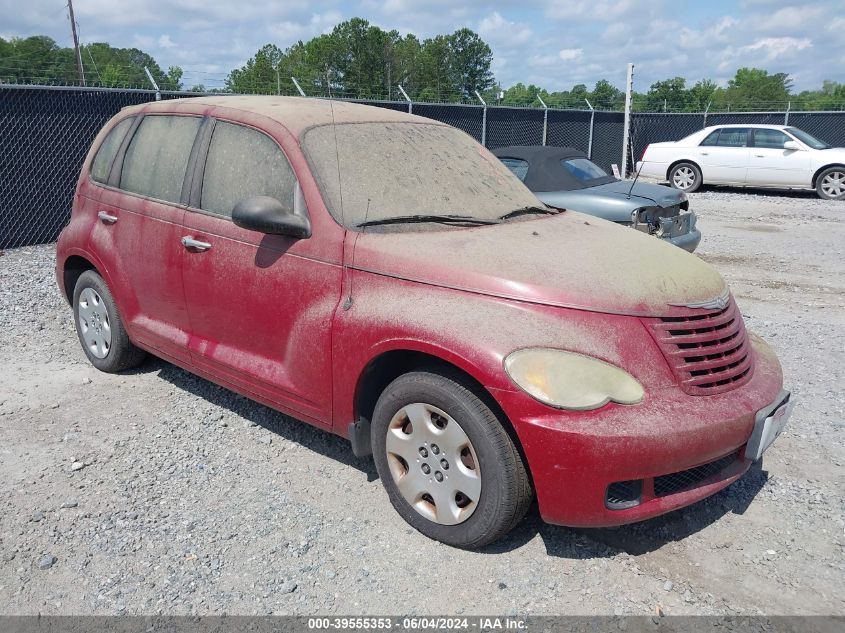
{"x": 759, "y": 155}
{"x": 189, "y": 242}
{"x": 105, "y": 218}
{"x": 705, "y": 153}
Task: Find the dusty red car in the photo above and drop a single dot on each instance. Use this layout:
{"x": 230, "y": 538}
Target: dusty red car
{"x": 384, "y": 277}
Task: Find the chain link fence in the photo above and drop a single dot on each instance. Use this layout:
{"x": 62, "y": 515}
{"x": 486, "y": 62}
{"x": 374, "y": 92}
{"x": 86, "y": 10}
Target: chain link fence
{"x": 46, "y": 131}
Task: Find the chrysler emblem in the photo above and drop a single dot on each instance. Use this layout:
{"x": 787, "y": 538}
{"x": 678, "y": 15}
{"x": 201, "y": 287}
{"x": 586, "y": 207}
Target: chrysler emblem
{"x": 716, "y": 303}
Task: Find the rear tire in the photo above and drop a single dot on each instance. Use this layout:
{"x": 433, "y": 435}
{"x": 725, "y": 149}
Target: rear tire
{"x": 685, "y": 176}
{"x": 453, "y": 425}
{"x": 830, "y": 184}
{"x": 100, "y": 328}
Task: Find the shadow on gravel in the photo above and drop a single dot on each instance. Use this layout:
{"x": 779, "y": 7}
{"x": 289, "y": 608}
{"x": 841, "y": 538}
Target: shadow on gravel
{"x": 286, "y": 427}
{"x": 770, "y": 193}
{"x": 636, "y": 538}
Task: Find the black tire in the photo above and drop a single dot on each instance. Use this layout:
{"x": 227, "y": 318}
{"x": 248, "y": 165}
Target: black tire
{"x": 121, "y": 354}
{"x": 685, "y": 173}
{"x": 828, "y": 179}
{"x": 505, "y": 486}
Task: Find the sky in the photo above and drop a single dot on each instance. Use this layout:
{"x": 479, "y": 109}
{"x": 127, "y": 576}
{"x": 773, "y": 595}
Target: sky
{"x": 554, "y": 44}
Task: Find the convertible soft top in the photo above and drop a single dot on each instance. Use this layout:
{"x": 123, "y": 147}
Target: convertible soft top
{"x": 545, "y": 167}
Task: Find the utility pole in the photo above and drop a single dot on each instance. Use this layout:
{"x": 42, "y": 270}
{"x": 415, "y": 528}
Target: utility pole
{"x": 79, "y": 68}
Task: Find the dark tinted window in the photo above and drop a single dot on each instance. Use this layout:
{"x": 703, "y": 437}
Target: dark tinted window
{"x": 711, "y": 138}
{"x": 583, "y": 169}
{"x": 243, "y": 163}
{"x": 101, "y": 165}
{"x": 158, "y": 155}
{"x": 733, "y": 137}
{"x": 770, "y": 138}
{"x": 518, "y": 166}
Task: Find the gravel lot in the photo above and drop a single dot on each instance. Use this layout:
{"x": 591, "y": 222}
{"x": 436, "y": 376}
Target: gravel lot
{"x": 159, "y": 492}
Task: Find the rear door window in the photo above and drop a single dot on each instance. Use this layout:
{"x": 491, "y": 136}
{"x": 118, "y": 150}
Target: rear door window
{"x": 101, "y": 166}
{"x": 733, "y": 137}
{"x": 243, "y": 163}
{"x": 517, "y": 166}
{"x": 157, "y": 156}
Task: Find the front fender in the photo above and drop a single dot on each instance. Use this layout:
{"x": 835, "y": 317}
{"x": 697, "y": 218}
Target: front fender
{"x": 473, "y": 332}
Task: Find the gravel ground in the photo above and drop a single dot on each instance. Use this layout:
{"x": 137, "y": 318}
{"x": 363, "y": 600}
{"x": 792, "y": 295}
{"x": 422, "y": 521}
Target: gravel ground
{"x": 158, "y": 492}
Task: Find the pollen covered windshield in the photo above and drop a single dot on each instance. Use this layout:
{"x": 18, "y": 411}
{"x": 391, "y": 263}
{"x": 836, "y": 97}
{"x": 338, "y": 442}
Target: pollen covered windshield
{"x": 383, "y": 170}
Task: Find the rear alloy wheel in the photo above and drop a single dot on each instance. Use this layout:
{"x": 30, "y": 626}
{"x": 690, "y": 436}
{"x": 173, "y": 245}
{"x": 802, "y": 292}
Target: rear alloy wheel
{"x": 685, "y": 176}
{"x": 449, "y": 467}
{"x": 100, "y": 327}
{"x": 831, "y": 184}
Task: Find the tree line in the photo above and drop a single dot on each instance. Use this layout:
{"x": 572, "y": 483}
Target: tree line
{"x": 360, "y": 60}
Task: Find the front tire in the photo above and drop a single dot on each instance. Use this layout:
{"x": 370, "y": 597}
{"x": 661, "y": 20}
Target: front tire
{"x": 686, "y": 177}
{"x": 830, "y": 184}
{"x": 450, "y": 468}
{"x": 100, "y": 328}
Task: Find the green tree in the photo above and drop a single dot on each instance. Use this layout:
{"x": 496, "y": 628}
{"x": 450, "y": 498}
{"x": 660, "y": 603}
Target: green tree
{"x": 606, "y": 96}
{"x": 669, "y": 95}
{"x": 755, "y": 88}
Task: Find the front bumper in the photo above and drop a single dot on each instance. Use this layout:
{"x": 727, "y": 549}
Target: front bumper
{"x": 575, "y": 456}
{"x": 688, "y": 241}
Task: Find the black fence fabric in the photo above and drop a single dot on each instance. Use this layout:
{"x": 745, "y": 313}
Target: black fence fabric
{"x": 45, "y": 133}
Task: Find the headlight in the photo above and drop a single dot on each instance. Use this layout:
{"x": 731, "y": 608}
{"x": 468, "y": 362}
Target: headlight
{"x": 635, "y": 216}
{"x": 567, "y": 380}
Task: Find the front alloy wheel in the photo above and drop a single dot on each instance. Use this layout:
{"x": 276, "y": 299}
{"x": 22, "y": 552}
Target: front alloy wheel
{"x": 831, "y": 184}
{"x": 686, "y": 177}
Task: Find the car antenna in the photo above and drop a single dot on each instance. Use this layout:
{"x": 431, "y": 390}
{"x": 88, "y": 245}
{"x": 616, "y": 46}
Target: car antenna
{"x": 348, "y": 302}
{"x": 637, "y": 175}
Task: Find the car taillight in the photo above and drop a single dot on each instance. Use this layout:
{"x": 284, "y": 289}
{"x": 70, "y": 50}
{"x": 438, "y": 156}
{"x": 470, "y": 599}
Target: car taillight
{"x": 642, "y": 156}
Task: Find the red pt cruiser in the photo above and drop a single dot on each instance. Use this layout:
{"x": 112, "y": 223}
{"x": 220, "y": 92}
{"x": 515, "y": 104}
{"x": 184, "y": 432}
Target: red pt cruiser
{"x": 384, "y": 277}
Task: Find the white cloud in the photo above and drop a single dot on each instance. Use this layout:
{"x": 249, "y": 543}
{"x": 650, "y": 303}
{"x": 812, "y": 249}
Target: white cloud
{"x": 571, "y": 54}
{"x": 497, "y": 29}
{"x": 774, "y": 47}
{"x": 164, "y": 41}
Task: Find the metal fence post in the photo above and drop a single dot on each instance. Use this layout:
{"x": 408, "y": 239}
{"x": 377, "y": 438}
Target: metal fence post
{"x": 786, "y": 116}
{"x": 153, "y": 82}
{"x": 298, "y": 87}
{"x": 483, "y": 120}
{"x": 706, "y": 110}
{"x": 592, "y": 122}
{"x": 545, "y": 118}
{"x": 407, "y": 98}
{"x": 626, "y": 130}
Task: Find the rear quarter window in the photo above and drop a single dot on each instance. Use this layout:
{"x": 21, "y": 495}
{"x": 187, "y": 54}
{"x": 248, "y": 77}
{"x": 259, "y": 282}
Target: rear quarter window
{"x": 518, "y": 166}
{"x": 157, "y": 157}
{"x": 101, "y": 165}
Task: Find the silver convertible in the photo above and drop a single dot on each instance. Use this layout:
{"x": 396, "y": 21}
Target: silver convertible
{"x": 564, "y": 178}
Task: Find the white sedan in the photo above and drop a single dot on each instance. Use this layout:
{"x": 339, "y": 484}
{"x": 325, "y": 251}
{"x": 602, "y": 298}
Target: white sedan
{"x": 748, "y": 156}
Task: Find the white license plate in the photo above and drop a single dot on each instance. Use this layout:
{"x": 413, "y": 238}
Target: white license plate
{"x": 769, "y": 424}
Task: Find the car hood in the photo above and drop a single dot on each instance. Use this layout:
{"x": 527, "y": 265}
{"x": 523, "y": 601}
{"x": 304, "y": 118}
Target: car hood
{"x": 569, "y": 260}
{"x": 656, "y": 195}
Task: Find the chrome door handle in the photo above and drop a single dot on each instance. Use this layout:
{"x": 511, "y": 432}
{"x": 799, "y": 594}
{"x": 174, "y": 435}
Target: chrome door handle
{"x": 106, "y": 218}
{"x": 189, "y": 242}
{"x": 759, "y": 155}
{"x": 705, "y": 153}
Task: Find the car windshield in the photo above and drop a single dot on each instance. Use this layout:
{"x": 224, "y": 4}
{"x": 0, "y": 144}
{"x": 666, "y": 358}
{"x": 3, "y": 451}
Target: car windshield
{"x": 583, "y": 169}
{"x": 376, "y": 171}
{"x": 807, "y": 139}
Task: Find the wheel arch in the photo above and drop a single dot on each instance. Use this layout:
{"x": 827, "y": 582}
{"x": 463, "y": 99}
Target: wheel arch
{"x": 677, "y": 162}
{"x": 385, "y": 367}
{"x": 823, "y": 168}
{"x": 72, "y": 270}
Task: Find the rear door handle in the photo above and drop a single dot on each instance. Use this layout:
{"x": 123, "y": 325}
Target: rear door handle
{"x": 105, "y": 218}
{"x": 705, "y": 153}
{"x": 189, "y": 242}
{"x": 760, "y": 155}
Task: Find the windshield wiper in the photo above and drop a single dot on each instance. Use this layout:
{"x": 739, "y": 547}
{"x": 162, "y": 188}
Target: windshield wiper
{"x": 440, "y": 219}
{"x": 527, "y": 210}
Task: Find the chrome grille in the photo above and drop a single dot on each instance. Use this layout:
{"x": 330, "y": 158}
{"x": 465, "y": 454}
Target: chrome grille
{"x": 708, "y": 353}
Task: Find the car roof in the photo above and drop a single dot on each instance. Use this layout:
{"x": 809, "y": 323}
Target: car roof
{"x": 746, "y": 125}
{"x": 297, "y": 114}
{"x": 545, "y": 170}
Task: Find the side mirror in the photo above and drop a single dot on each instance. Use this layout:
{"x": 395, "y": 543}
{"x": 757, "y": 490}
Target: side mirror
{"x": 268, "y": 215}
{"x": 792, "y": 145}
